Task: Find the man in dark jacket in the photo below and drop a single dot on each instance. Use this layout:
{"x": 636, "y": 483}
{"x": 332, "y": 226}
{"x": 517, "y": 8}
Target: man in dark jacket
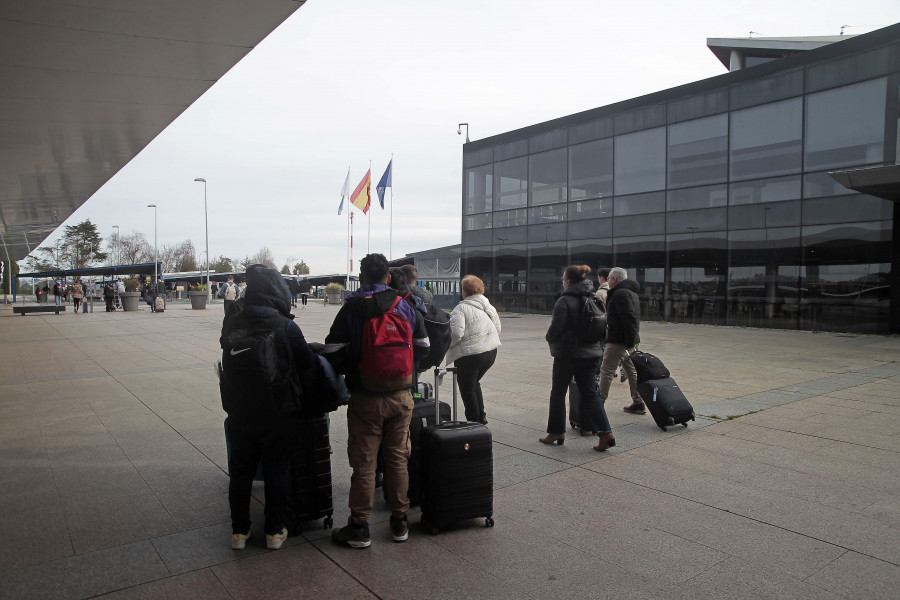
{"x": 623, "y": 314}
{"x": 265, "y": 437}
{"x": 294, "y": 286}
{"x": 374, "y": 417}
{"x": 303, "y": 288}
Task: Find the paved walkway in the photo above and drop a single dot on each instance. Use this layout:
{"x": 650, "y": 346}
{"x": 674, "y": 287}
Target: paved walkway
{"x": 112, "y": 475}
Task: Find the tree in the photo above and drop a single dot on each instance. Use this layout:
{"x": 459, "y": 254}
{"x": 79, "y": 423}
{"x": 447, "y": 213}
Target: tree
{"x": 47, "y": 263}
{"x": 185, "y": 256}
{"x": 264, "y": 257}
{"x": 301, "y": 268}
{"x": 285, "y": 270}
{"x": 223, "y": 264}
{"x": 167, "y": 257}
{"x": 81, "y": 244}
{"x": 10, "y": 270}
{"x": 135, "y": 249}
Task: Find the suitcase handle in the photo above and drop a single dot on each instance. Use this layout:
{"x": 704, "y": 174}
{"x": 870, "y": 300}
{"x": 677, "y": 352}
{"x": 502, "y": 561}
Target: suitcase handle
{"x": 438, "y": 377}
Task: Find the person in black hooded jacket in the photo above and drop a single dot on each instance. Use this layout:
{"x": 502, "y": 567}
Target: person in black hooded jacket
{"x": 623, "y": 314}
{"x": 266, "y": 438}
{"x": 574, "y": 357}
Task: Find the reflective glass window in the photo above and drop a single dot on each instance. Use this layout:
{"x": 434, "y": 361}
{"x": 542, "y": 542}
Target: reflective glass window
{"x": 640, "y": 224}
{"x": 640, "y": 162}
{"x": 845, "y": 126}
{"x": 644, "y": 259}
{"x": 472, "y": 222}
{"x": 550, "y": 213}
{"x": 687, "y": 221}
{"x": 640, "y": 204}
{"x": 710, "y": 196}
{"x": 765, "y": 190}
{"x": 697, "y": 278}
{"x": 511, "y": 269}
{"x": 477, "y": 237}
{"x": 479, "y": 189}
{"x": 821, "y": 185}
{"x": 510, "y": 235}
{"x": 591, "y": 170}
{"x": 511, "y": 184}
{"x": 546, "y": 265}
{"x": 766, "y": 140}
{"x": 548, "y": 177}
{"x": 547, "y": 233}
{"x": 698, "y": 151}
{"x": 591, "y": 209}
{"x": 596, "y": 252}
{"x": 511, "y": 218}
{"x": 590, "y": 229}
{"x": 845, "y": 209}
{"x": 763, "y": 216}
{"x": 478, "y": 261}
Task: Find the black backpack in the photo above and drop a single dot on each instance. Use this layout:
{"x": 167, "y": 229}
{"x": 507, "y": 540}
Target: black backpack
{"x": 437, "y": 324}
{"x": 251, "y": 385}
{"x": 591, "y": 327}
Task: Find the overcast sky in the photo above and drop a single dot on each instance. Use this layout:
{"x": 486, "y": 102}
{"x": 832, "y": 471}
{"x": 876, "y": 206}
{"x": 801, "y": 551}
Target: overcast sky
{"x": 343, "y": 82}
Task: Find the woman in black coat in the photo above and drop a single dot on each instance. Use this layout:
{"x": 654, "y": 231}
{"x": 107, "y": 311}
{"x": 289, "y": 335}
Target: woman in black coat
{"x": 574, "y": 357}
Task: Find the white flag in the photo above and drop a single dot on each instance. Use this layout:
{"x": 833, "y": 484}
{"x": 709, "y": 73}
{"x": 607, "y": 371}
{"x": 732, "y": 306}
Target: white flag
{"x": 344, "y": 191}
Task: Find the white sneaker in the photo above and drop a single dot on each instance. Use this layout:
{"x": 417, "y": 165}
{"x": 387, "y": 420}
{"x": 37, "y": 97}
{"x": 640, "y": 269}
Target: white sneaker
{"x": 274, "y": 542}
{"x": 239, "y": 540}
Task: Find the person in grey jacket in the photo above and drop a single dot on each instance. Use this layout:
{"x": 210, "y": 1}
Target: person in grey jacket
{"x": 574, "y": 357}
{"x": 623, "y": 314}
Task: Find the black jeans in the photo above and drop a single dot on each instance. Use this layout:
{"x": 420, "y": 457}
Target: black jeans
{"x": 271, "y": 443}
{"x": 585, "y": 372}
{"x": 470, "y": 370}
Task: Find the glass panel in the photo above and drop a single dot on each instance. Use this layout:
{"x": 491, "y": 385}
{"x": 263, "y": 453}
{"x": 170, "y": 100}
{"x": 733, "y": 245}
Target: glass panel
{"x": 640, "y": 224}
{"x": 589, "y": 229}
{"x": 764, "y": 278}
{"x": 701, "y": 105}
{"x": 511, "y": 263}
{"x": 479, "y": 261}
{"x": 478, "y": 237}
{"x": 845, "y": 126}
{"x": 698, "y": 151}
{"x": 845, "y": 209}
{"x": 640, "y": 204}
{"x": 548, "y": 177}
{"x": 511, "y": 184}
{"x": 479, "y": 189}
{"x": 591, "y": 209}
{"x": 856, "y": 67}
{"x": 546, "y": 233}
{"x": 640, "y": 162}
{"x": 766, "y": 140}
{"x": 473, "y": 222}
{"x": 596, "y": 252}
{"x": 551, "y": 213}
{"x": 591, "y": 170}
{"x": 711, "y": 196}
{"x": 821, "y": 185}
{"x": 765, "y": 190}
{"x": 847, "y": 272}
{"x": 546, "y": 264}
{"x": 548, "y": 140}
{"x": 688, "y": 221}
{"x": 642, "y": 118}
{"x": 510, "y": 235}
{"x": 760, "y": 91}
{"x": 472, "y": 158}
{"x": 697, "y": 278}
{"x": 510, "y": 150}
{"x": 511, "y": 218}
{"x": 756, "y": 216}
{"x": 593, "y": 130}
{"x": 644, "y": 259}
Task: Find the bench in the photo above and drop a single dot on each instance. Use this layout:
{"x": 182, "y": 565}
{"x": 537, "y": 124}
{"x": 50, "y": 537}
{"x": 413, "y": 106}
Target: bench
{"x": 23, "y": 310}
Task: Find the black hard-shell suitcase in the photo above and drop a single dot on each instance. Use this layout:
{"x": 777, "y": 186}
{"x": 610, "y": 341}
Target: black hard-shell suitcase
{"x": 423, "y": 415}
{"x": 648, "y": 366}
{"x": 457, "y": 469}
{"x": 578, "y": 415}
{"x": 666, "y": 402}
{"x": 310, "y": 475}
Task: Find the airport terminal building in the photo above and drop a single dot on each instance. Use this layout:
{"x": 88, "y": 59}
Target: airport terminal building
{"x": 715, "y": 196}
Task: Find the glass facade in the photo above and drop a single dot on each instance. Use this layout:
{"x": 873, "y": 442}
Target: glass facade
{"x": 717, "y": 200}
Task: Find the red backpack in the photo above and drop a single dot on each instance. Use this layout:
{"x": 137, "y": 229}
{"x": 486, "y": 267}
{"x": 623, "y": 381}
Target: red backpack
{"x": 386, "y": 363}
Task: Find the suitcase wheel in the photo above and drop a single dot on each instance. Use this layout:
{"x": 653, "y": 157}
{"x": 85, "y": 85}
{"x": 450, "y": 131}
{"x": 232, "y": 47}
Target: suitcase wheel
{"x": 327, "y": 522}
{"x": 684, "y": 424}
{"x": 661, "y": 427}
{"x": 489, "y": 522}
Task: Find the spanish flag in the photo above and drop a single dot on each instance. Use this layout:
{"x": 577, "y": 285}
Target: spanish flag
{"x": 361, "y": 197}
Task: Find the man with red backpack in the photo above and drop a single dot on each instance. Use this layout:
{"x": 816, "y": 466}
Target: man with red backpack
{"x": 378, "y": 337}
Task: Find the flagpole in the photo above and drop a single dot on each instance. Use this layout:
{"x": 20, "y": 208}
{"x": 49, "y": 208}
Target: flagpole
{"x": 369, "y": 214}
{"x": 349, "y": 210}
{"x": 391, "y": 226}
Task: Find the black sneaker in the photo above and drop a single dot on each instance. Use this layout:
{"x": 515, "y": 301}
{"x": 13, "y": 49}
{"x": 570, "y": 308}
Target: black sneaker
{"x": 399, "y": 528}
{"x": 636, "y": 408}
{"x": 355, "y": 536}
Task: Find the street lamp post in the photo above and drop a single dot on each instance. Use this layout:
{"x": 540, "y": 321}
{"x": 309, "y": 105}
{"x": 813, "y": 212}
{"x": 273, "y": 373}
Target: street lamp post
{"x": 206, "y": 223}
{"x": 155, "y": 250}
{"x": 459, "y": 130}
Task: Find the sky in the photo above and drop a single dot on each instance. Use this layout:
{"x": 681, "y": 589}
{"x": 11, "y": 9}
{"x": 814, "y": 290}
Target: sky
{"x": 344, "y": 82}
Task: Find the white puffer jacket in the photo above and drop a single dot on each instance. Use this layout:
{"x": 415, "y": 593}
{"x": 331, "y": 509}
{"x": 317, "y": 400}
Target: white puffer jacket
{"x": 474, "y": 328}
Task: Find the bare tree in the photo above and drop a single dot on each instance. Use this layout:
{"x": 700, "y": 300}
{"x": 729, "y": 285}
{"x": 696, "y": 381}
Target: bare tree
{"x": 264, "y": 257}
{"x": 186, "y": 256}
{"x": 135, "y": 248}
{"x": 301, "y": 268}
{"x": 168, "y": 257}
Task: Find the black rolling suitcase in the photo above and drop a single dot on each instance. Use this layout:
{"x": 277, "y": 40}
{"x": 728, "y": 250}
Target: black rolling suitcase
{"x": 666, "y": 402}
{"x": 457, "y": 471}
{"x": 310, "y": 475}
{"x": 423, "y": 415}
{"x": 578, "y": 415}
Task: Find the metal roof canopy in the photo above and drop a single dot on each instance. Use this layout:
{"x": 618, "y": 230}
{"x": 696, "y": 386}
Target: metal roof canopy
{"x": 881, "y": 182}
{"x": 136, "y": 269}
{"x": 87, "y": 85}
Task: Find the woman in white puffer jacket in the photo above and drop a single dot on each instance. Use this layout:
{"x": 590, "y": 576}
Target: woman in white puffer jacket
{"x": 474, "y": 339}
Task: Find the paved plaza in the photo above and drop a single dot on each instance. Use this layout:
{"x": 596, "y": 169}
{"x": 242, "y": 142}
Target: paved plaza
{"x": 113, "y": 474}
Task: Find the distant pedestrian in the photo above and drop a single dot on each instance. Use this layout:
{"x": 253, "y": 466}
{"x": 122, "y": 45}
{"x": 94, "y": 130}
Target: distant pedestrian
{"x": 294, "y": 287}
{"x": 229, "y": 292}
{"x": 109, "y": 295}
{"x": 303, "y": 288}
{"x": 58, "y": 293}
{"x": 474, "y": 339}
{"x": 623, "y": 313}
{"x": 77, "y": 295}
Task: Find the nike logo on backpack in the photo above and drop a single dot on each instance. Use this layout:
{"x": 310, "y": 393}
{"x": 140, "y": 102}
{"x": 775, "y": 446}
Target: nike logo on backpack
{"x": 235, "y": 353}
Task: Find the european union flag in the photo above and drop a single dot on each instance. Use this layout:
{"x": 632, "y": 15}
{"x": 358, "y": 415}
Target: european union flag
{"x": 384, "y": 183}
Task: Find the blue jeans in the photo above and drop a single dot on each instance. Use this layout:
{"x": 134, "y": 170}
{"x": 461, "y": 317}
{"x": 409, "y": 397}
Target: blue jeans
{"x": 585, "y": 372}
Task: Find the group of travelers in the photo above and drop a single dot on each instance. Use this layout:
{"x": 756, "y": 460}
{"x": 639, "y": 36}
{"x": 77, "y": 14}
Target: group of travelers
{"x": 574, "y": 357}
{"x": 299, "y": 288}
